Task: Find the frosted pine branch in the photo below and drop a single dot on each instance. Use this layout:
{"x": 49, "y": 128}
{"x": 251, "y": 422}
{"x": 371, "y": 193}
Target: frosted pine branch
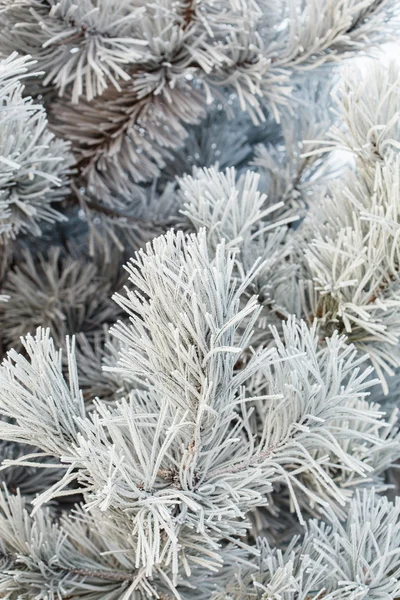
{"x": 35, "y": 166}
{"x": 354, "y": 559}
{"x": 352, "y": 254}
{"x": 189, "y": 450}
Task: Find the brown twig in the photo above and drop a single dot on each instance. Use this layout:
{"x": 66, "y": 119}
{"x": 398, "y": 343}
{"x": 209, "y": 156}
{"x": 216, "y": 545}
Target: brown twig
{"x": 382, "y": 288}
{"x": 105, "y": 575}
{"x": 78, "y": 199}
{"x": 189, "y": 13}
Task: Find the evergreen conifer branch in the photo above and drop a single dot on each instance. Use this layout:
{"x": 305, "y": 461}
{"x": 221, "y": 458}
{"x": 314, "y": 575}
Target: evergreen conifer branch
{"x": 227, "y": 437}
{"x": 35, "y": 166}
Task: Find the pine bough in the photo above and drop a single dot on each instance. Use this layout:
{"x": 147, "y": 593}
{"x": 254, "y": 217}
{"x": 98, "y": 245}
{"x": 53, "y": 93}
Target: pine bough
{"x": 227, "y": 437}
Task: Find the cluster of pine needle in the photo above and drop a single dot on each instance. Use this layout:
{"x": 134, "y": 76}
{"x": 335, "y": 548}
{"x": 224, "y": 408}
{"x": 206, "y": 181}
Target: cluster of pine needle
{"x": 200, "y": 300}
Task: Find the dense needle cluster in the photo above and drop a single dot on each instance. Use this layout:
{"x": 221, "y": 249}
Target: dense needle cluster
{"x": 200, "y": 300}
